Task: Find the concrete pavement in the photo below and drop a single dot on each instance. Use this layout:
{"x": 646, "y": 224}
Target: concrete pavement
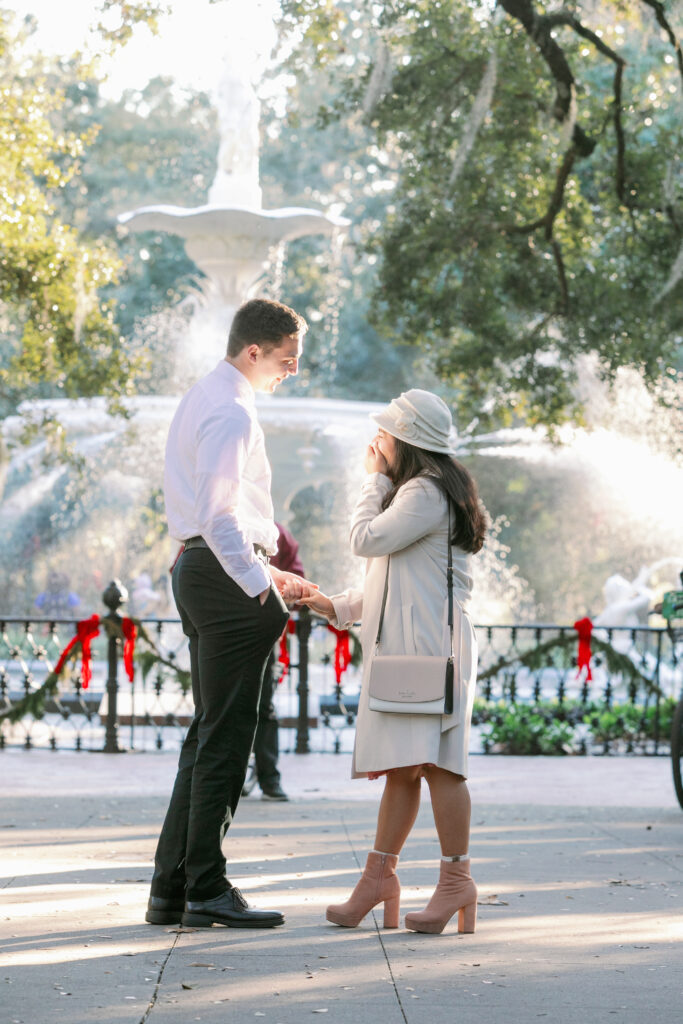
{"x": 579, "y": 863}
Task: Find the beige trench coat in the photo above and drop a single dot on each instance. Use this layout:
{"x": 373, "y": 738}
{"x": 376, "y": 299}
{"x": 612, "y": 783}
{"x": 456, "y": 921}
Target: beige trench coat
{"x": 413, "y": 530}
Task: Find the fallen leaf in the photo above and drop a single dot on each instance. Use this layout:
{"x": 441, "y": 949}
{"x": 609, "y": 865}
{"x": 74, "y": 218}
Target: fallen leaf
{"x": 184, "y": 984}
{"x": 319, "y": 1011}
{"x": 198, "y": 964}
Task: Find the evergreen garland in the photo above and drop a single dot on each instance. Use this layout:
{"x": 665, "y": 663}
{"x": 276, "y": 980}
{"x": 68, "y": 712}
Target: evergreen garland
{"x": 539, "y": 657}
{"x": 33, "y": 702}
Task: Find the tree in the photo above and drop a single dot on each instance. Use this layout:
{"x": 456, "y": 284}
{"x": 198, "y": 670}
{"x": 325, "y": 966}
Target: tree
{"x": 157, "y": 145}
{"x": 332, "y": 166}
{"x": 59, "y": 336}
{"x": 538, "y": 210}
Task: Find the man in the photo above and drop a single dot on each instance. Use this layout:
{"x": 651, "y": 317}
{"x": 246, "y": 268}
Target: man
{"x": 266, "y": 741}
{"x": 218, "y": 503}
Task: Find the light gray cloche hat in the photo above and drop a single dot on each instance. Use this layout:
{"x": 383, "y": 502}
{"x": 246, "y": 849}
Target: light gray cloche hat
{"x": 421, "y": 419}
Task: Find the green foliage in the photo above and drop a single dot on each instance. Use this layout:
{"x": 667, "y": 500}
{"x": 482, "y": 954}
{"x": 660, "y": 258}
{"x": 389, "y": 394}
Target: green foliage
{"x": 119, "y": 18}
{"x": 334, "y": 165}
{"x": 536, "y": 213}
{"x": 631, "y": 724}
{"x": 154, "y": 146}
{"x": 550, "y": 727}
{"x": 33, "y": 702}
{"x": 620, "y": 722}
{"x": 524, "y": 731}
{"x": 60, "y": 337}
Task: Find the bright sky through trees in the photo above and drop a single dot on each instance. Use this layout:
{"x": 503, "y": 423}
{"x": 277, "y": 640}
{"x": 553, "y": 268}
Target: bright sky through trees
{"x": 188, "y": 47}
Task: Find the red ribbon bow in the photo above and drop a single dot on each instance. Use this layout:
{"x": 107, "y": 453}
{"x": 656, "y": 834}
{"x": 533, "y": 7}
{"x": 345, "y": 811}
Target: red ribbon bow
{"x": 86, "y": 631}
{"x": 283, "y": 655}
{"x": 130, "y": 632}
{"x": 342, "y": 652}
{"x": 584, "y": 627}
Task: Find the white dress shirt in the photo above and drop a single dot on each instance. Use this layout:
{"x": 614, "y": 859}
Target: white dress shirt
{"x": 217, "y": 476}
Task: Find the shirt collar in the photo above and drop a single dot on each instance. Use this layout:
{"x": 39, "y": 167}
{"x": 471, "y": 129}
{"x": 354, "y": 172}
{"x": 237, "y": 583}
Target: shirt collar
{"x": 230, "y": 373}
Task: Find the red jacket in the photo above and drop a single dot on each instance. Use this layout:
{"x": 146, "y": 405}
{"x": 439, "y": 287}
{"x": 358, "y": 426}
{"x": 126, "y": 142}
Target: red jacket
{"x": 287, "y": 557}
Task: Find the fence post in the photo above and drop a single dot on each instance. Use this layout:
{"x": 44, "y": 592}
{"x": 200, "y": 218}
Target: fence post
{"x": 303, "y": 632}
{"x": 113, "y": 597}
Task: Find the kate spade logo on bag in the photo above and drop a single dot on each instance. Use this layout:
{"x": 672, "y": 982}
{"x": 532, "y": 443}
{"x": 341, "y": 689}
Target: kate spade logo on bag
{"x": 406, "y": 693}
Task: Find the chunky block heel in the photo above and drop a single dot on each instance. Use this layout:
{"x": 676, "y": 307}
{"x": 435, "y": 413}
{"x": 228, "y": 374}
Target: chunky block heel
{"x": 378, "y": 884}
{"x": 467, "y": 919}
{"x": 455, "y": 891}
{"x": 392, "y": 912}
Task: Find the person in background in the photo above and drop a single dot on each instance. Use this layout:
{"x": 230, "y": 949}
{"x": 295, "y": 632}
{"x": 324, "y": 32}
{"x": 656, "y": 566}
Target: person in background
{"x": 57, "y": 600}
{"x": 266, "y": 742}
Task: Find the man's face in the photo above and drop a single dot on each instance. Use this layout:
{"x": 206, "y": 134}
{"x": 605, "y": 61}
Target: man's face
{"x": 281, "y": 362}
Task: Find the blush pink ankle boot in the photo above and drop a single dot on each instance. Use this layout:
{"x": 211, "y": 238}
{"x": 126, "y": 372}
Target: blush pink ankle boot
{"x": 378, "y": 884}
{"x": 455, "y": 891}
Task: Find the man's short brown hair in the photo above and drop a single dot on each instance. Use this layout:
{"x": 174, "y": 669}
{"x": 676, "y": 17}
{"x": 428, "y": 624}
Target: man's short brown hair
{"x": 263, "y": 322}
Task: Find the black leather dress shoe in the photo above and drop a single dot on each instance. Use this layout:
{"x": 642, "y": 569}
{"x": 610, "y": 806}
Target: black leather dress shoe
{"x": 230, "y": 909}
{"x": 164, "y": 911}
{"x": 273, "y": 792}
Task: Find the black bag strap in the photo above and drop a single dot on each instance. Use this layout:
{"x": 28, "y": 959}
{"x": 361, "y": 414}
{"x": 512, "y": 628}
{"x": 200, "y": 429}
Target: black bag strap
{"x": 449, "y": 585}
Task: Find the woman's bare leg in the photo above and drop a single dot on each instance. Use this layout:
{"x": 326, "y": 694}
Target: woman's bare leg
{"x": 451, "y": 807}
{"x": 398, "y": 808}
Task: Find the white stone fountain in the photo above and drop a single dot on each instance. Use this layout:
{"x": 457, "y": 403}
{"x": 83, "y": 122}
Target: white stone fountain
{"x": 232, "y": 239}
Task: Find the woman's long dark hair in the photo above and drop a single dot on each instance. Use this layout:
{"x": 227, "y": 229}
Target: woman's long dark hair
{"x": 455, "y": 482}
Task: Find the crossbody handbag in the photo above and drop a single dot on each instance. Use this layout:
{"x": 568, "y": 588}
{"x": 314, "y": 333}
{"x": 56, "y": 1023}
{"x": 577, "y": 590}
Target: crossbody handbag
{"x": 414, "y": 684}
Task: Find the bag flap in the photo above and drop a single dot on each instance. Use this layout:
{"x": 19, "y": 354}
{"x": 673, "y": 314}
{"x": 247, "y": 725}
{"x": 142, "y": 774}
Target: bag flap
{"x": 407, "y": 677}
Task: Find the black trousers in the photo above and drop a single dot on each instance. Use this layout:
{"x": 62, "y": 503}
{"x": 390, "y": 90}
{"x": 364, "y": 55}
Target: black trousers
{"x": 230, "y": 637}
{"x": 267, "y": 741}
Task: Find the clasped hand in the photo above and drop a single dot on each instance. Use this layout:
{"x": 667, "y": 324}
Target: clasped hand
{"x": 292, "y": 588}
{"x": 296, "y": 591}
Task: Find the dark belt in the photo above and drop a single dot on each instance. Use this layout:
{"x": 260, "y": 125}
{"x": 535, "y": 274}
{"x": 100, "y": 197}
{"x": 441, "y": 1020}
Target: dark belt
{"x": 199, "y": 542}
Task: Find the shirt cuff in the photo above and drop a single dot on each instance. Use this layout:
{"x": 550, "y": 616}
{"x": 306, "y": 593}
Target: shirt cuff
{"x": 255, "y": 580}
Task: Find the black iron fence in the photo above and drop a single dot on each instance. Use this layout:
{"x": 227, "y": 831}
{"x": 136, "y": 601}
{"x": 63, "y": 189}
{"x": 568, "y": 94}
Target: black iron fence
{"x": 531, "y": 697}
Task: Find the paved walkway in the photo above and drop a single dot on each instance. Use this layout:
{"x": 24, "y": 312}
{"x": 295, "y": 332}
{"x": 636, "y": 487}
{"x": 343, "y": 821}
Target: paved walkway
{"x": 579, "y": 864}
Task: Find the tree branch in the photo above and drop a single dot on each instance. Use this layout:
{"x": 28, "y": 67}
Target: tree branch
{"x": 660, "y": 15}
{"x": 557, "y": 198}
{"x": 564, "y": 291}
{"x": 540, "y": 31}
{"x": 547, "y": 221}
{"x": 540, "y": 27}
{"x": 619, "y": 134}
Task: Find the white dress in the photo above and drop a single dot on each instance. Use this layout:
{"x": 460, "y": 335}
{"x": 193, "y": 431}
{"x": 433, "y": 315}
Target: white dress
{"x": 413, "y": 530}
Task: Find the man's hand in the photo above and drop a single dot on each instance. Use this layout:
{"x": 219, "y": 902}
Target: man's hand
{"x": 291, "y": 586}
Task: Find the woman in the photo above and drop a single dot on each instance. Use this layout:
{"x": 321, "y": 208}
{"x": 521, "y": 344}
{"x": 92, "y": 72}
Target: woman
{"x": 403, "y": 513}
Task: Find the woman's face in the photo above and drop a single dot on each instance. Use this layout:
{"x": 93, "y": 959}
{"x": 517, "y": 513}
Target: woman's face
{"x": 386, "y": 444}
